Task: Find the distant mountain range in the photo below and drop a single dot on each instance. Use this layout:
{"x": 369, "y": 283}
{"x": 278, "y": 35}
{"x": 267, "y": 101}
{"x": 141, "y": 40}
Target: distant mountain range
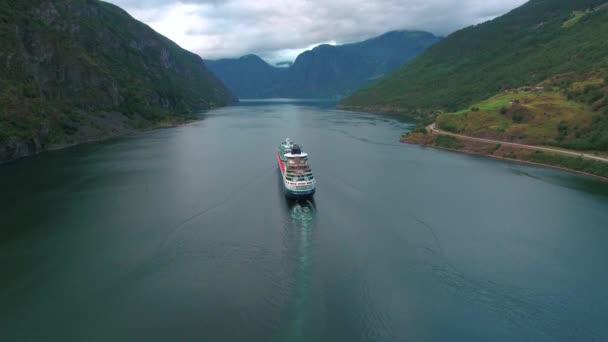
{"x": 326, "y": 71}
{"x": 81, "y": 70}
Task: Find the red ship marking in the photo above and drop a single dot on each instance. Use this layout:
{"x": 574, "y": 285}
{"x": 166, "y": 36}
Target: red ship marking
{"x": 281, "y": 165}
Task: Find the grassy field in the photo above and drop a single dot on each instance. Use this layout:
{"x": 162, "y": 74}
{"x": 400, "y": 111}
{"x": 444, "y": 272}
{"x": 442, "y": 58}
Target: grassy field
{"x": 576, "y": 17}
{"x": 447, "y": 141}
{"x": 571, "y": 112}
{"x": 530, "y": 117}
{"x": 492, "y": 104}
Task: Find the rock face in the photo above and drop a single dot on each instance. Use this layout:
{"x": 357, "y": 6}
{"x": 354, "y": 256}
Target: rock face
{"x": 249, "y": 76}
{"x": 79, "y": 70}
{"x": 326, "y": 71}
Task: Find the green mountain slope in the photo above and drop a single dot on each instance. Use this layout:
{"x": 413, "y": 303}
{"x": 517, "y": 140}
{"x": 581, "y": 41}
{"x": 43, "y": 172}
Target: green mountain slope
{"x": 532, "y": 43}
{"x": 575, "y": 117}
{"x": 79, "y": 70}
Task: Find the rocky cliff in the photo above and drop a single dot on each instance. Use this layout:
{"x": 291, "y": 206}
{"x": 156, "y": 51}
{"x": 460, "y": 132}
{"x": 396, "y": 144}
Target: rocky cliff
{"x": 73, "y": 71}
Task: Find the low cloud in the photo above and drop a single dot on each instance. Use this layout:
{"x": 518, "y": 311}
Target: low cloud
{"x": 280, "y": 29}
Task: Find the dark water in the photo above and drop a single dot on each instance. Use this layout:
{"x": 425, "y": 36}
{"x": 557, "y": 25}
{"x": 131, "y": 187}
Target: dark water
{"x": 184, "y": 235}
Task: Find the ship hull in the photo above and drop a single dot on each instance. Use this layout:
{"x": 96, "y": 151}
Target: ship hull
{"x": 298, "y": 194}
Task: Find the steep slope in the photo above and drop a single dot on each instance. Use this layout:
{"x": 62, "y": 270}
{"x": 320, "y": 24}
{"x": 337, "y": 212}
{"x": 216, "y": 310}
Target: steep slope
{"x": 248, "y": 76}
{"x": 336, "y": 71}
{"x": 530, "y": 44}
{"x": 79, "y": 70}
{"x": 326, "y": 71}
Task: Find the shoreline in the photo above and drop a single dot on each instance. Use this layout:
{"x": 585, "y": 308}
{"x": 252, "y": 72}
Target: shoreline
{"x": 481, "y": 153}
{"x": 59, "y": 147}
{"x": 425, "y": 142}
{"x": 518, "y": 161}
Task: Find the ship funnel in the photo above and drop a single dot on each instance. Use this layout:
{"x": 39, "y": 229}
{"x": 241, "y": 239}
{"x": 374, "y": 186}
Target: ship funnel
{"x": 295, "y": 149}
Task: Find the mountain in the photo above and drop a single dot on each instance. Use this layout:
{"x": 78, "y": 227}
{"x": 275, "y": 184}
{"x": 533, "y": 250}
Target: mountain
{"x": 326, "y": 71}
{"x": 529, "y": 45}
{"x": 537, "y": 76}
{"x": 249, "y": 76}
{"x": 79, "y": 70}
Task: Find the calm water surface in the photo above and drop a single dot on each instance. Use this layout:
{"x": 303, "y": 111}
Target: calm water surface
{"x": 184, "y": 234}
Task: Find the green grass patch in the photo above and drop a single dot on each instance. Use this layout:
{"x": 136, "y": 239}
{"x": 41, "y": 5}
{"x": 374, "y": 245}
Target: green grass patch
{"x": 536, "y": 117}
{"x": 581, "y": 86}
{"x": 448, "y": 141}
{"x": 576, "y": 17}
{"x": 491, "y": 104}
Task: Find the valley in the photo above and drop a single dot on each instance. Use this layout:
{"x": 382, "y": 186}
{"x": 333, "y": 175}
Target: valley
{"x": 326, "y": 71}
{"x": 449, "y": 181}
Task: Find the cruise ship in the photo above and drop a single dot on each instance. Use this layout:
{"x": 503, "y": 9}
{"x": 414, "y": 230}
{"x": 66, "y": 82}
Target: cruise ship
{"x": 298, "y": 180}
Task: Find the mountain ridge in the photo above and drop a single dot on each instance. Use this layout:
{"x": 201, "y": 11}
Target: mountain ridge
{"x": 326, "y": 71}
{"x": 525, "y": 46}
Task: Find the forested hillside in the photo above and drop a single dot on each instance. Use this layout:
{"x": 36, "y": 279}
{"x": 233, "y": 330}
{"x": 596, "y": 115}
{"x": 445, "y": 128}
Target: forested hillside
{"x": 529, "y": 45}
{"x": 81, "y": 70}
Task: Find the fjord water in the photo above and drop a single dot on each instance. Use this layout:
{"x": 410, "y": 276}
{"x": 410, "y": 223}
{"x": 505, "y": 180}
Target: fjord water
{"x": 184, "y": 234}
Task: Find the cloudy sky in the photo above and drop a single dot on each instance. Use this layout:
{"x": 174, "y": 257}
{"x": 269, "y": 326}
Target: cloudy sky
{"x": 280, "y": 29}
